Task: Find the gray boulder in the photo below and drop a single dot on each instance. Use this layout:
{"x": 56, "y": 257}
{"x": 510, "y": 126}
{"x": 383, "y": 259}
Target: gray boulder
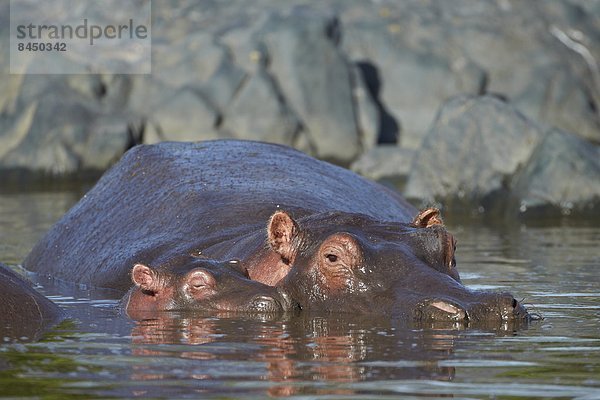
{"x": 187, "y": 59}
{"x": 62, "y": 132}
{"x": 316, "y": 79}
{"x": 368, "y": 115}
{"x": 471, "y": 153}
{"x": 563, "y": 174}
{"x": 388, "y": 163}
{"x": 224, "y": 84}
{"x": 335, "y": 79}
{"x": 186, "y": 116}
{"x": 259, "y": 112}
{"x": 540, "y": 55}
{"x": 414, "y": 82}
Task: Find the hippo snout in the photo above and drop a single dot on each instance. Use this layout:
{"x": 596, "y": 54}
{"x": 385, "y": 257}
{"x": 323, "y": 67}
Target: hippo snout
{"x": 266, "y": 304}
{"x": 440, "y": 310}
{"x": 513, "y": 309}
{"x": 485, "y": 307}
{"x": 279, "y": 301}
{"x": 502, "y": 306}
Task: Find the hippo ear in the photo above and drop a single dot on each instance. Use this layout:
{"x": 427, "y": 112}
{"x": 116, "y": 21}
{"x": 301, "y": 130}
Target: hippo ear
{"x": 145, "y": 278}
{"x": 428, "y": 217}
{"x": 281, "y": 232}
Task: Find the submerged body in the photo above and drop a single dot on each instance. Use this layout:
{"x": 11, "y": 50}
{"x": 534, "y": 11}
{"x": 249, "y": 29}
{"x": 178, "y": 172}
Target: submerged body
{"x": 24, "y": 313}
{"x": 331, "y": 239}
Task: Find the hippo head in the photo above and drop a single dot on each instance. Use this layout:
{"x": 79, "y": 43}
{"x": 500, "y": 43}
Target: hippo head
{"x": 192, "y": 283}
{"x": 352, "y": 263}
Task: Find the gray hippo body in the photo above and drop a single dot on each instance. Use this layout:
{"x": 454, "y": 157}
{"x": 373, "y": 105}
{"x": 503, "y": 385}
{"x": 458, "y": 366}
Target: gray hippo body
{"x": 165, "y": 200}
{"x": 326, "y": 237}
{"x": 24, "y": 313}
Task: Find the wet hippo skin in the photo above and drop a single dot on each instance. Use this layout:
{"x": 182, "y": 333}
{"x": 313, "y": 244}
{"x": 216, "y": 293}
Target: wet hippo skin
{"x": 330, "y": 238}
{"x": 200, "y": 284}
{"x": 25, "y": 314}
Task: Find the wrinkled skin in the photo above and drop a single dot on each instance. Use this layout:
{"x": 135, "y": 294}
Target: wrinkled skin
{"x": 330, "y": 238}
{"x": 352, "y": 263}
{"x": 24, "y": 313}
{"x": 169, "y": 199}
{"x": 192, "y": 283}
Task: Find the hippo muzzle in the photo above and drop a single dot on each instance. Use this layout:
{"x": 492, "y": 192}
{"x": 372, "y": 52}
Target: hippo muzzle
{"x": 484, "y": 307}
{"x": 280, "y": 303}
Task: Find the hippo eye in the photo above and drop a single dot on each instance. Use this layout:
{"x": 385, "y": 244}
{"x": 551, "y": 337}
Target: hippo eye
{"x": 331, "y": 257}
{"x": 201, "y": 280}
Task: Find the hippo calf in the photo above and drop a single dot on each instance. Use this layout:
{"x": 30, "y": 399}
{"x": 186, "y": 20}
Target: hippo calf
{"x": 192, "y": 283}
{"x": 24, "y": 313}
{"x": 334, "y": 241}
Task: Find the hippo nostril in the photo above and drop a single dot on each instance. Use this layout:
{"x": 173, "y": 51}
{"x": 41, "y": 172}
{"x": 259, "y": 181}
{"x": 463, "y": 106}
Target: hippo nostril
{"x": 265, "y": 304}
{"x": 443, "y": 310}
{"x": 447, "y": 307}
{"x": 510, "y": 308}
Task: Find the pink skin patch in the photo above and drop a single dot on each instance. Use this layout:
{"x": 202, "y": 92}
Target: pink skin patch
{"x": 449, "y": 308}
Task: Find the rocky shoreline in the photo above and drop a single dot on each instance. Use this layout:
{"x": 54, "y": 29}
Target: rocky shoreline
{"x": 489, "y": 106}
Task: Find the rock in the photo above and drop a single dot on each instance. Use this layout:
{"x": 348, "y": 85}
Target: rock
{"x": 188, "y": 60}
{"x": 244, "y": 45}
{"x": 259, "y": 112}
{"x": 147, "y": 94}
{"x": 367, "y": 113}
{"x": 556, "y": 97}
{"x": 62, "y": 133}
{"x": 473, "y": 149}
{"x": 377, "y": 125}
{"x": 316, "y": 79}
{"x": 223, "y": 84}
{"x": 186, "y": 116}
{"x": 414, "y": 82}
{"x": 542, "y": 56}
{"x": 334, "y": 78}
{"x": 563, "y": 174}
{"x": 385, "y": 163}
{"x": 109, "y": 138}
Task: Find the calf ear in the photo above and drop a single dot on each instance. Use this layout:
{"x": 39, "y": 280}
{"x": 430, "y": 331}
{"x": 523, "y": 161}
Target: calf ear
{"x": 281, "y": 231}
{"x": 145, "y": 278}
{"x": 428, "y": 217}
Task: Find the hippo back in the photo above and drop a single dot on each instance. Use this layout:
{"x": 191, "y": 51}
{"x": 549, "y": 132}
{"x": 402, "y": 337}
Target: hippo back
{"x": 161, "y": 200}
{"x": 24, "y": 313}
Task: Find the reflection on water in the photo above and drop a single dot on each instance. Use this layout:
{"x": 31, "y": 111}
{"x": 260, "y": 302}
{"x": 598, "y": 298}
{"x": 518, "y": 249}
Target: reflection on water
{"x": 292, "y": 351}
{"x": 100, "y": 353}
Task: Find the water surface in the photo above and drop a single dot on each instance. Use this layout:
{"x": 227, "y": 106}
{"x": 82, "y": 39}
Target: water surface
{"x": 100, "y": 353}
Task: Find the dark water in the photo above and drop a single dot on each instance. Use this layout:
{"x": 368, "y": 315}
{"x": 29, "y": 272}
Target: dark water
{"x": 102, "y": 354}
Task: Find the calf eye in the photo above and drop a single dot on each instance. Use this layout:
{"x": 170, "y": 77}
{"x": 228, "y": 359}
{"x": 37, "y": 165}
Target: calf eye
{"x": 331, "y": 257}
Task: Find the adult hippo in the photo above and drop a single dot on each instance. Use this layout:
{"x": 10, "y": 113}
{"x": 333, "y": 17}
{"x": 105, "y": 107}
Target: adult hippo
{"x": 24, "y": 313}
{"x": 192, "y": 283}
{"x": 334, "y": 240}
